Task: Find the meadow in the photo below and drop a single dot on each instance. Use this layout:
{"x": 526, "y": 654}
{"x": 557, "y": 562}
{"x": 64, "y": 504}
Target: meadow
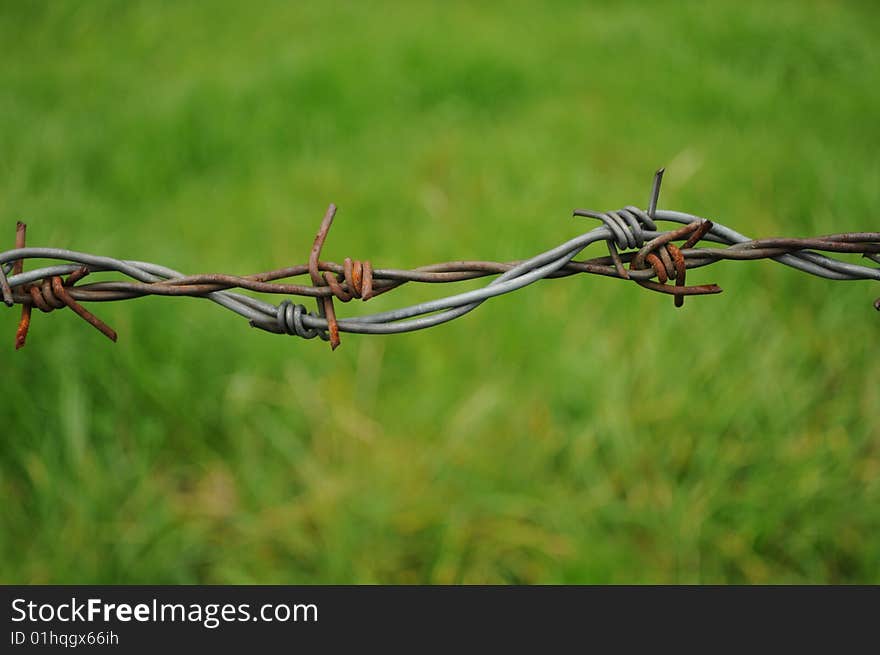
{"x": 577, "y": 431}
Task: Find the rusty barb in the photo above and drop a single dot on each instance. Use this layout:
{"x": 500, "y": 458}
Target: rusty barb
{"x": 50, "y": 295}
{"x": 638, "y": 251}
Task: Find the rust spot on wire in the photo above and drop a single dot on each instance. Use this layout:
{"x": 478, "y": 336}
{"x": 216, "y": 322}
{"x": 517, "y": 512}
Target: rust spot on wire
{"x": 76, "y": 276}
{"x": 367, "y": 281}
{"x": 39, "y": 298}
{"x": 671, "y": 262}
{"x": 61, "y": 294}
{"x": 657, "y": 265}
{"x": 50, "y": 295}
{"x": 698, "y": 234}
{"x": 24, "y": 323}
{"x": 358, "y": 276}
{"x": 680, "y": 269}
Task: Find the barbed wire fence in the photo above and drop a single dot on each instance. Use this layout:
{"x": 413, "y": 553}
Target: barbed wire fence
{"x": 637, "y": 251}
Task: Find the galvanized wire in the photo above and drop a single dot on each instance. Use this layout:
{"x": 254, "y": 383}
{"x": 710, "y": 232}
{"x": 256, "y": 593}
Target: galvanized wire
{"x": 631, "y": 234}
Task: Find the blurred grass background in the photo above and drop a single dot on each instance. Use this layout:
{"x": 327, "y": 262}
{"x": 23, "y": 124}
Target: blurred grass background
{"x": 576, "y": 431}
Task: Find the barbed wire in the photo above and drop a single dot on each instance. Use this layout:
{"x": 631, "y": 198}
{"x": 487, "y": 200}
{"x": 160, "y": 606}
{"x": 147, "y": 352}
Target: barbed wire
{"x": 631, "y": 234}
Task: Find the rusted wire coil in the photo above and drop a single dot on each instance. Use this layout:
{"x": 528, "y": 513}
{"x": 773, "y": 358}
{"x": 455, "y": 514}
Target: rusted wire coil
{"x": 51, "y": 294}
{"x": 637, "y": 251}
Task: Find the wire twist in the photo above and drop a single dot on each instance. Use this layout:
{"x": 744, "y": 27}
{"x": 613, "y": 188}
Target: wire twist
{"x": 289, "y": 318}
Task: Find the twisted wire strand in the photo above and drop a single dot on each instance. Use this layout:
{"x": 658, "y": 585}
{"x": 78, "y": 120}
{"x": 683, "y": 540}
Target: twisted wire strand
{"x": 631, "y": 234}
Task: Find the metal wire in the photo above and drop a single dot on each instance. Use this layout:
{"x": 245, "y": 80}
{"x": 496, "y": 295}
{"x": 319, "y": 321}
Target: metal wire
{"x": 631, "y": 234}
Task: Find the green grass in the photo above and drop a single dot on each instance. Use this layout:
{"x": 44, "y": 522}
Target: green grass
{"x": 576, "y": 431}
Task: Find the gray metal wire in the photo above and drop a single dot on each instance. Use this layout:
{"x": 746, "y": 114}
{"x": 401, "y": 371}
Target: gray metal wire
{"x": 629, "y": 229}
